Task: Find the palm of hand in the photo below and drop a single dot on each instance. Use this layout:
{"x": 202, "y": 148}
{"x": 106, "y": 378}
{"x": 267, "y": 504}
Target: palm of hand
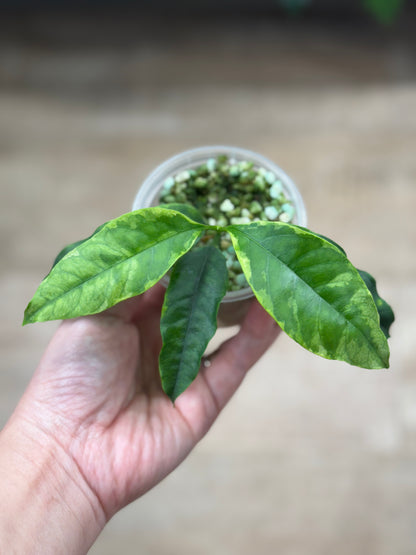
{"x": 98, "y": 393}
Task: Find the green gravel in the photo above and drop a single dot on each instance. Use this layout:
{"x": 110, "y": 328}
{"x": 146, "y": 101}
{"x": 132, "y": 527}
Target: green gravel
{"x": 227, "y": 191}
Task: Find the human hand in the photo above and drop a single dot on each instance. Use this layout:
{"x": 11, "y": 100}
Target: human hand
{"x": 97, "y": 399}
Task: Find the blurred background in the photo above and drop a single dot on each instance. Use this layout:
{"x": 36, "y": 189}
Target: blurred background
{"x": 311, "y": 457}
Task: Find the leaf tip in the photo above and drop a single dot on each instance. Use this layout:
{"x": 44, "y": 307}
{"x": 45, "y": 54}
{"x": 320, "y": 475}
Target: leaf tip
{"x": 170, "y": 392}
{"x": 384, "y": 356}
{"x": 27, "y": 316}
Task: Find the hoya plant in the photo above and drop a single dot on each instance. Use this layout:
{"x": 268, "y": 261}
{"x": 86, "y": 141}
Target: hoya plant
{"x": 302, "y": 279}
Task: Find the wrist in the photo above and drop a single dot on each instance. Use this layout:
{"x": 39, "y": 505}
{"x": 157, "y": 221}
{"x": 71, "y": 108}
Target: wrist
{"x": 46, "y": 505}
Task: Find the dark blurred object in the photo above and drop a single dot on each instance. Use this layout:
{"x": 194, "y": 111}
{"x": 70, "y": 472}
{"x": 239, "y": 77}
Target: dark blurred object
{"x": 384, "y": 11}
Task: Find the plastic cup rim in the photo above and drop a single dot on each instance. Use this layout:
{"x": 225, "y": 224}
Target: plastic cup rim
{"x": 189, "y": 158}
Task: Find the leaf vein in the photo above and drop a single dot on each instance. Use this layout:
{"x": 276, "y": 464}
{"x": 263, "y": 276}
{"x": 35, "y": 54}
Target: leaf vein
{"x": 344, "y": 316}
{"x": 109, "y": 268}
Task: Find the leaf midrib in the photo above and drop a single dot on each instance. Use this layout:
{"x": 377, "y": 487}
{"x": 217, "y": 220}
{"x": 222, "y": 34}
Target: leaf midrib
{"x": 349, "y": 323}
{"x": 106, "y": 270}
{"x": 189, "y": 320}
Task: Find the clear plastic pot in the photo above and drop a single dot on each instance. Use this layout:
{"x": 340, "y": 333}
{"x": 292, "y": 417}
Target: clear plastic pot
{"x": 235, "y": 303}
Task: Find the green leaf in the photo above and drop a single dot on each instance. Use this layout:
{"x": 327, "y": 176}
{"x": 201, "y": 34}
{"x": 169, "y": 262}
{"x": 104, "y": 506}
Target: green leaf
{"x": 189, "y": 316}
{"x": 329, "y": 241}
{"x": 125, "y": 258}
{"x": 383, "y": 308}
{"x": 72, "y": 246}
{"x": 190, "y": 211}
{"x": 311, "y": 289}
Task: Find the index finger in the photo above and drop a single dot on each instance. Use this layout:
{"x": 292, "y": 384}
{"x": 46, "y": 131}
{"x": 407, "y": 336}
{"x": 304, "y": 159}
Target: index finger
{"x": 230, "y": 363}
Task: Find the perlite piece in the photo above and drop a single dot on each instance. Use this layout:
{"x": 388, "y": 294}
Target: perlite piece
{"x": 228, "y": 191}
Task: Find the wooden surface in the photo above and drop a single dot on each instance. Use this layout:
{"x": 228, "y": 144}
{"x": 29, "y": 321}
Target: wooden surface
{"x": 311, "y": 457}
